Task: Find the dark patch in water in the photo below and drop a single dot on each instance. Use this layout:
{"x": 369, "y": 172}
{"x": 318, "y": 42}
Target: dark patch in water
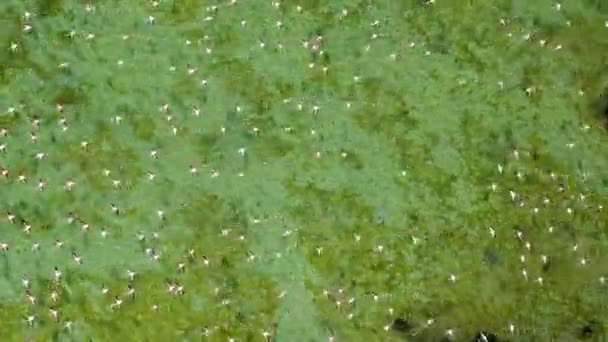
{"x": 484, "y": 336}
{"x": 49, "y": 7}
{"x": 69, "y": 95}
{"x": 590, "y": 329}
{"x": 599, "y": 108}
{"x": 225, "y": 262}
{"x": 490, "y": 256}
{"x": 546, "y": 266}
{"x": 402, "y": 325}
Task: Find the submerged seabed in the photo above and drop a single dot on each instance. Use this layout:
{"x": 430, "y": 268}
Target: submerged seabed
{"x": 303, "y": 171}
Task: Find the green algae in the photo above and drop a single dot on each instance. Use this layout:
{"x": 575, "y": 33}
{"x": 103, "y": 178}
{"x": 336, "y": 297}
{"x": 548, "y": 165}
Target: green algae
{"x": 324, "y": 202}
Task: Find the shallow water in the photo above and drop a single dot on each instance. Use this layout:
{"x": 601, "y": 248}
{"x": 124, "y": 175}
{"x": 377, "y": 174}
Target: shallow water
{"x": 311, "y": 171}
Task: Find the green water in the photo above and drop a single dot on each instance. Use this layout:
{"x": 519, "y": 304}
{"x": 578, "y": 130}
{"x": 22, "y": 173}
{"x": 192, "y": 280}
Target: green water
{"x": 303, "y": 171}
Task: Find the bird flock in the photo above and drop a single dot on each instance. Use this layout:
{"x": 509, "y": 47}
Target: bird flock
{"x": 155, "y": 183}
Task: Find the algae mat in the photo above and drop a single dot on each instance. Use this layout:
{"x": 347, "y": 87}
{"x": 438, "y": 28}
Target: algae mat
{"x": 303, "y": 171}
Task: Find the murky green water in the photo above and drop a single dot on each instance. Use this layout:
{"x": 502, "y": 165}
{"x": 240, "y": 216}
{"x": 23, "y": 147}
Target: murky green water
{"x": 303, "y": 171}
